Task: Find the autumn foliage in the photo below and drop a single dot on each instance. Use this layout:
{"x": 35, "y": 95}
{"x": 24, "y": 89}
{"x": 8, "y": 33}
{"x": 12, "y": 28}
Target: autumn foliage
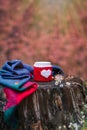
{"x": 55, "y": 31}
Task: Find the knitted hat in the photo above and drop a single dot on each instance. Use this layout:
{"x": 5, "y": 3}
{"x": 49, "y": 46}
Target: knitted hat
{"x": 57, "y": 70}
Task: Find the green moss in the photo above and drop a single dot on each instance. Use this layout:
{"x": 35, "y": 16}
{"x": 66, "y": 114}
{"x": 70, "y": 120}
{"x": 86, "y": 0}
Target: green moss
{"x": 84, "y": 126}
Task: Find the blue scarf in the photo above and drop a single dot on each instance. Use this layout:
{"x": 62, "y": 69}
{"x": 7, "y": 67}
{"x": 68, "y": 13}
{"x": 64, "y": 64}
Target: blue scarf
{"x": 14, "y": 74}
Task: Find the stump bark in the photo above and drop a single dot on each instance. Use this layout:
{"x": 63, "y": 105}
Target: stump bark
{"x": 51, "y": 107}
{"x": 43, "y": 110}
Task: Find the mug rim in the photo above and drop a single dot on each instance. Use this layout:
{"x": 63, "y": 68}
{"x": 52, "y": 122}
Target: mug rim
{"x": 42, "y": 63}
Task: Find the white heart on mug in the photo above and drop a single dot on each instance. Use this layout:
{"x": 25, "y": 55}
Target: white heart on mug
{"x": 46, "y": 73}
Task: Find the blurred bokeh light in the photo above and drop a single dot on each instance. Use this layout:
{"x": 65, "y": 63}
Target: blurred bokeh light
{"x": 51, "y": 30}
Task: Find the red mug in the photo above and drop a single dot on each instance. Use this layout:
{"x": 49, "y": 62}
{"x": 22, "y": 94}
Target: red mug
{"x": 42, "y": 71}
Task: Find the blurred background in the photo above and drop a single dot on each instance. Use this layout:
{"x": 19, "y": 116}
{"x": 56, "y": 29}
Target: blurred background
{"x": 50, "y": 30}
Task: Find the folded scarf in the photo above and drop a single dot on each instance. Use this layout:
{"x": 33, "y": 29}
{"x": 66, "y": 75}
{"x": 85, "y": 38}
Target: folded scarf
{"x": 14, "y": 77}
{"x": 13, "y": 99}
{"x": 14, "y": 74}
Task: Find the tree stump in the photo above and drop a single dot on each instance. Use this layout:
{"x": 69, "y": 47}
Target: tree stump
{"x": 42, "y": 110}
{"x": 52, "y": 107}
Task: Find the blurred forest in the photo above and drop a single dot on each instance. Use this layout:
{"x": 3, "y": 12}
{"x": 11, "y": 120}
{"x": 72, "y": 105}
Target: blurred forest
{"x": 51, "y": 30}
